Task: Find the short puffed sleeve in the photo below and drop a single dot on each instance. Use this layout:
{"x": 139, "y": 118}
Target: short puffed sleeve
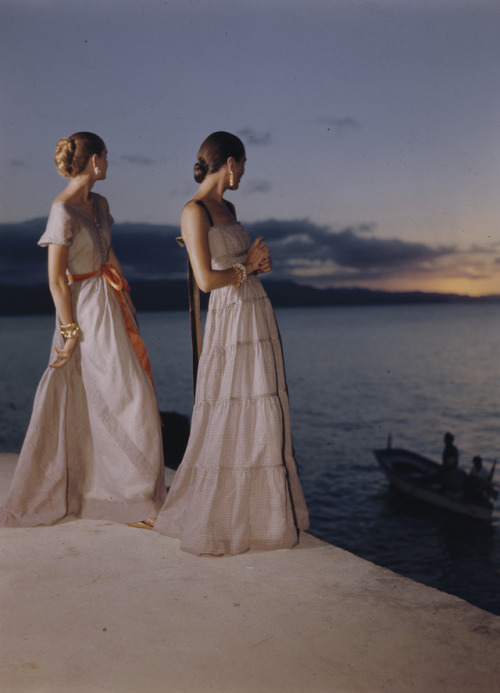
{"x": 60, "y": 226}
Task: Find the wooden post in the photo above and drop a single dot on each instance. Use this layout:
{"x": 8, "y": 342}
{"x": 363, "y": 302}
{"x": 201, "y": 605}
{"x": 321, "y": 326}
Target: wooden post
{"x": 194, "y": 315}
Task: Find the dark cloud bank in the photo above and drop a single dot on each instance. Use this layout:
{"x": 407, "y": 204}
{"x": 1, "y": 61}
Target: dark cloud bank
{"x": 302, "y": 248}
{"x": 313, "y": 265}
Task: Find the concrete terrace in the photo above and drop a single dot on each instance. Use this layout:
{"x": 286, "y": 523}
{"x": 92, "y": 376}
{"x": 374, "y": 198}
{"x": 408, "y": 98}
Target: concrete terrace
{"x": 94, "y": 607}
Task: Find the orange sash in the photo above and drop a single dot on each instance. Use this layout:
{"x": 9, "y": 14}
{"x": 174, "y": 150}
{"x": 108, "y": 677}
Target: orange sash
{"x": 119, "y": 284}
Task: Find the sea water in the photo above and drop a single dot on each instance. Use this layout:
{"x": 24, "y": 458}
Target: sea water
{"x": 355, "y": 375}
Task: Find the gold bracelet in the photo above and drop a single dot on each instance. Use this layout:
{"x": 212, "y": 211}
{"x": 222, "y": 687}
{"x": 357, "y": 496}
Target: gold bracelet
{"x": 239, "y": 277}
{"x": 70, "y": 331}
{"x": 244, "y": 270}
{"x": 241, "y": 273}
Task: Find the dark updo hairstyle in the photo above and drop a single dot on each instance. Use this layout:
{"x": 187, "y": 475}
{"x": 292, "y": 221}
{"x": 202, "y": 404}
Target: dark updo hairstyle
{"x": 72, "y": 153}
{"x": 215, "y": 151}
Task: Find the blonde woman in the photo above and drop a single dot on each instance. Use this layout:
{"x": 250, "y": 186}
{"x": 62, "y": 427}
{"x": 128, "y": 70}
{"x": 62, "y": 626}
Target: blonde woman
{"x": 93, "y": 446}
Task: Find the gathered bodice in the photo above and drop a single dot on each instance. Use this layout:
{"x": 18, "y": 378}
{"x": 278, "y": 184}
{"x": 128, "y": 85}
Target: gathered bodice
{"x": 229, "y": 243}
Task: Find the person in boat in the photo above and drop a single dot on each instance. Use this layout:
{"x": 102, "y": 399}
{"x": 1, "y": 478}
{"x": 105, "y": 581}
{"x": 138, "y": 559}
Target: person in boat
{"x": 478, "y": 471}
{"x": 479, "y": 480}
{"x": 450, "y": 453}
{"x": 452, "y": 477}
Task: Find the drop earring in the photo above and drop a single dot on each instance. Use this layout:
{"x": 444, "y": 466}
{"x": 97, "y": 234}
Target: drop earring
{"x": 97, "y": 170}
{"x": 231, "y": 179}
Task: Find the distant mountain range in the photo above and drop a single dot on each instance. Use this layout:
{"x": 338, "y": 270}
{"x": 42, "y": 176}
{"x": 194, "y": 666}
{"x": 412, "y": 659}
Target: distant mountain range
{"x": 172, "y": 295}
{"x": 151, "y": 250}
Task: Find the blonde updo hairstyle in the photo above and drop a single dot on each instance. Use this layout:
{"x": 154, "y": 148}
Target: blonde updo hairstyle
{"x": 72, "y": 153}
{"x": 215, "y": 151}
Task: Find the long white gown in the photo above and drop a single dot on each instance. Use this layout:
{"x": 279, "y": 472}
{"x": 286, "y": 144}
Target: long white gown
{"x": 237, "y": 487}
{"x": 93, "y": 447}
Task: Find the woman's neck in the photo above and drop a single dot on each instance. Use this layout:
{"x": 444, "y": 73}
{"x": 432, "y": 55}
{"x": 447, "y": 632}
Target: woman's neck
{"x": 212, "y": 189}
{"x": 77, "y": 193}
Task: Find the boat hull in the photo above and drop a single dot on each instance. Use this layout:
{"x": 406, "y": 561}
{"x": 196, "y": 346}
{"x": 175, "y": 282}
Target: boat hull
{"x": 419, "y": 477}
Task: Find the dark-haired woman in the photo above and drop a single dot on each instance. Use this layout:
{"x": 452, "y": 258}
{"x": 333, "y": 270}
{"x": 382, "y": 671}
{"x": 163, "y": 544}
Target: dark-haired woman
{"x": 93, "y": 446}
{"x": 237, "y": 488}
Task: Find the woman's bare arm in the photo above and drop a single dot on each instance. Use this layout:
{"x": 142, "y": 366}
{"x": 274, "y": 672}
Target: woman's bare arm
{"x": 59, "y": 289}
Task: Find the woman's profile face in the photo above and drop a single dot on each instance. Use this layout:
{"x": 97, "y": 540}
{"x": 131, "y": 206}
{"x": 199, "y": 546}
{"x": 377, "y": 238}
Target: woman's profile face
{"x": 239, "y": 170}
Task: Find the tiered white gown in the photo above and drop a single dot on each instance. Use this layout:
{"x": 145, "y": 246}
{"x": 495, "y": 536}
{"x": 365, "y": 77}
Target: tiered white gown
{"x": 237, "y": 488}
{"x": 93, "y": 447}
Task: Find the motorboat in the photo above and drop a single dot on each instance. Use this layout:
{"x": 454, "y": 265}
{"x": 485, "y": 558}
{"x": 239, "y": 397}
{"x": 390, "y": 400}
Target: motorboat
{"x": 422, "y": 478}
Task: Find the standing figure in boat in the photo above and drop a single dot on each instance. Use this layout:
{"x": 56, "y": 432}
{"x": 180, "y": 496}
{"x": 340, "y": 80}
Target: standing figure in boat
{"x": 450, "y": 452}
{"x": 237, "y": 488}
{"x": 93, "y": 447}
{"x": 452, "y": 476}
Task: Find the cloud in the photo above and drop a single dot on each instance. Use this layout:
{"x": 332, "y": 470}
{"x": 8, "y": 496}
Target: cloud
{"x": 308, "y": 253}
{"x": 250, "y": 137}
{"x": 149, "y": 251}
{"x": 485, "y": 249}
{"x": 138, "y": 160}
{"x": 352, "y": 247}
{"x": 338, "y": 124}
{"x": 302, "y": 251}
{"x": 146, "y": 251}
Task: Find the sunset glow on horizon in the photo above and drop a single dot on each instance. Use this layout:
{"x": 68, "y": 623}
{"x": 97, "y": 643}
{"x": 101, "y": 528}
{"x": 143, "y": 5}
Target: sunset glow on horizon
{"x": 460, "y": 287}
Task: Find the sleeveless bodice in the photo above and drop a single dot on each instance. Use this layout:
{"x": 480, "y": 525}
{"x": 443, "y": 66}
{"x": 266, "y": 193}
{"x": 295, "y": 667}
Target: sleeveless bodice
{"x": 229, "y": 243}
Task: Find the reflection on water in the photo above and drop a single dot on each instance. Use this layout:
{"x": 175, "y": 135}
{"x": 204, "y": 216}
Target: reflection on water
{"x": 354, "y": 375}
{"x": 440, "y": 549}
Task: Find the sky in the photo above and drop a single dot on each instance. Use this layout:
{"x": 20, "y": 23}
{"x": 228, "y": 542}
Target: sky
{"x": 372, "y": 128}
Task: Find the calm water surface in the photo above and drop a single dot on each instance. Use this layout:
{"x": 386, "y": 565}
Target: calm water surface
{"x": 354, "y": 375}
